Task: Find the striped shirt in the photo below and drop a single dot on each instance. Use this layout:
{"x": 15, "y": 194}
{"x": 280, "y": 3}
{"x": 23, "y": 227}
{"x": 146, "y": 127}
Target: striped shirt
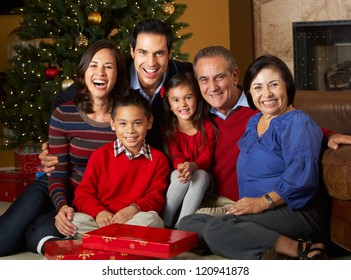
{"x": 73, "y": 136}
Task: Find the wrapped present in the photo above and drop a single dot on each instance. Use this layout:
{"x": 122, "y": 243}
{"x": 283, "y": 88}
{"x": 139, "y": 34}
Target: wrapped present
{"x": 29, "y": 158}
{"x": 40, "y": 172}
{"x": 29, "y": 163}
{"x": 13, "y": 182}
{"x": 10, "y": 160}
{"x": 139, "y": 240}
{"x": 73, "y": 250}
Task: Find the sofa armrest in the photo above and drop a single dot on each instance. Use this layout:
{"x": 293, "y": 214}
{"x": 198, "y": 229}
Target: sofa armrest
{"x": 336, "y": 167}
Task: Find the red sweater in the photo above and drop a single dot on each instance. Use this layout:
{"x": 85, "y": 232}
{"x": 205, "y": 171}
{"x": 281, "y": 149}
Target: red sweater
{"x": 187, "y": 148}
{"x": 226, "y": 152}
{"x": 112, "y": 183}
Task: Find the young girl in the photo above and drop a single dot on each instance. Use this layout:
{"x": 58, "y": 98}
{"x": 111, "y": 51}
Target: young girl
{"x": 189, "y": 139}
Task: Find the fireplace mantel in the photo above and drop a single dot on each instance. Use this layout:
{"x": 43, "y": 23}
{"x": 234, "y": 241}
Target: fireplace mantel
{"x": 273, "y": 22}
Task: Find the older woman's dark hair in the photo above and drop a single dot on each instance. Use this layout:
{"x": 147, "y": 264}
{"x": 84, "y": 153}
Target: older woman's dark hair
{"x": 275, "y": 63}
{"x": 82, "y": 99}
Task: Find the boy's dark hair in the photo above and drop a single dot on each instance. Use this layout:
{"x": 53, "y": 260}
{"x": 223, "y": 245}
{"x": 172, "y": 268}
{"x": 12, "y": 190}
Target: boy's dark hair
{"x": 131, "y": 97}
{"x": 152, "y": 26}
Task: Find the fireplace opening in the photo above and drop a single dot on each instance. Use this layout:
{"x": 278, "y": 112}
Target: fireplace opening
{"x": 322, "y": 55}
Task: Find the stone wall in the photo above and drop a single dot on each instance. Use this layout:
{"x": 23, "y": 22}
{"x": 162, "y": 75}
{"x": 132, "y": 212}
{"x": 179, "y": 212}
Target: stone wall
{"x": 273, "y": 22}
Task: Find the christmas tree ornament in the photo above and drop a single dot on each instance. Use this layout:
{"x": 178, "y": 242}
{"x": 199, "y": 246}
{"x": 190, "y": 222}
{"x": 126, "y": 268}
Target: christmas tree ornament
{"x": 51, "y": 72}
{"x": 56, "y": 35}
{"x": 66, "y": 83}
{"x": 81, "y": 41}
{"x": 168, "y": 8}
{"x": 94, "y": 18}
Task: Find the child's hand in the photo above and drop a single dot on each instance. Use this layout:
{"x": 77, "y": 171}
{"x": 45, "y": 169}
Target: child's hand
{"x": 185, "y": 171}
{"x": 124, "y": 215}
{"x": 103, "y": 218}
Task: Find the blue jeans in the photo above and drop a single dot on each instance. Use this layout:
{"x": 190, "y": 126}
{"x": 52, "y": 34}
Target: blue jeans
{"x": 43, "y": 226}
{"x": 14, "y": 223}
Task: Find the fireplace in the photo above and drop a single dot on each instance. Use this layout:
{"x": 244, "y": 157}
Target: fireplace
{"x": 322, "y": 55}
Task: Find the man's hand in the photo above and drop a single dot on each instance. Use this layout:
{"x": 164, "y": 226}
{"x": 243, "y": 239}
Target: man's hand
{"x": 46, "y": 160}
{"x": 63, "y": 221}
{"x": 337, "y": 139}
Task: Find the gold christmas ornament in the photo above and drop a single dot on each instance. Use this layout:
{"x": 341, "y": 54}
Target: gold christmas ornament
{"x": 81, "y": 41}
{"x": 66, "y": 83}
{"x": 94, "y": 18}
{"x": 114, "y": 31}
{"x": 168, "y": 8}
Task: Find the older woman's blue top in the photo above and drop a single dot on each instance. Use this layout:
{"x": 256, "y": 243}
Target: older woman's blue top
{"x": 284, "y": 159}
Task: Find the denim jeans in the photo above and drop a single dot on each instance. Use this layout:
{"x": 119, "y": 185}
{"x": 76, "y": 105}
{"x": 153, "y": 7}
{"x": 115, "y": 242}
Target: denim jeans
{"x": 32, "y": 203}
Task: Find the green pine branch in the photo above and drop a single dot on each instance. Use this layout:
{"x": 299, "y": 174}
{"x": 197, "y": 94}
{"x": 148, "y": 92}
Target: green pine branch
{"x": 52, "y": 33}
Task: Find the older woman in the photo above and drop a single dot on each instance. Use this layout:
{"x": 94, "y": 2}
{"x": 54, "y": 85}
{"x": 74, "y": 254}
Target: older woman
{"x": 278, "y": 174}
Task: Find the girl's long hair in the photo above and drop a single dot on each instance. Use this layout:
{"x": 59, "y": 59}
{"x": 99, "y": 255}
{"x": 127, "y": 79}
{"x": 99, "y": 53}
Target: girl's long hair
{"x": 199, "y": 118}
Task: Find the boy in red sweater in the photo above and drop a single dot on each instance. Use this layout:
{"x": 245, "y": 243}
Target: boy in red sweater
{"x": 125, "y": 180}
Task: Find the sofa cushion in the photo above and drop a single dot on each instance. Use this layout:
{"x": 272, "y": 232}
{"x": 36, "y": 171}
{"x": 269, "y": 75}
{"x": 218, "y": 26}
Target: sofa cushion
{"x": 331, "y": 110}
{"x": 336, "y": 165}
{"x": 340, "y": 223}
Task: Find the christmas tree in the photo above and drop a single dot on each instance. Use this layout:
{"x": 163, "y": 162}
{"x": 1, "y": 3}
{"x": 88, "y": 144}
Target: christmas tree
{"x": 54, "y": 34}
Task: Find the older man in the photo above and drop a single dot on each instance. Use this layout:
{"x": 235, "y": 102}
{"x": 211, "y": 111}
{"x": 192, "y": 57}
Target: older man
{"x": 218, "y": 77}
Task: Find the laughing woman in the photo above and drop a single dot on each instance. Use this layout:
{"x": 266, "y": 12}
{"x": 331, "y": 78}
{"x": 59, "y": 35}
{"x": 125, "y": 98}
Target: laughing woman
{"x": 76, "y": 129}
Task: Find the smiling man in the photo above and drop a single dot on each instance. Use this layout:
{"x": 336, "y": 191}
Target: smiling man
{"x": 151, "y": 66}
{"x": 218, "y": 77}
{"x": 151, "y": 49}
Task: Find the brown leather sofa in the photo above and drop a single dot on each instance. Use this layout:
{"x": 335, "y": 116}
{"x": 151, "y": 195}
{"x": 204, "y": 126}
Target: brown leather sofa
{"x": 332, "y": 110}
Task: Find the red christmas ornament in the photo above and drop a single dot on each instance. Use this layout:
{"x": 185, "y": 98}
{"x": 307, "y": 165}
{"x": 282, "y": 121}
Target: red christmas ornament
{"x": 51, "y": 72}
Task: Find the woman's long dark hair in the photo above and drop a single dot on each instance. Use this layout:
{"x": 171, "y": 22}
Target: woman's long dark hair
{"x": 82, "y": 99}
{"x": 170, "y": 119}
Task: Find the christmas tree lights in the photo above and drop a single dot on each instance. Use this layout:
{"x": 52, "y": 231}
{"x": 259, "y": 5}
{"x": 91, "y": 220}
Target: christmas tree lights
{"x": 53, "y": 36}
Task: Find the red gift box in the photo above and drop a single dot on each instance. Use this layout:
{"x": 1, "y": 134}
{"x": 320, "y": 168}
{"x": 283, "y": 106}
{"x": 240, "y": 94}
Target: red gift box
{"x": 73, "y": 250}
{"x": 29, "y": 157}
{"x": 29, "y": 163}
{"x": 13, "y": 183}
{"x": 139, "y": 240}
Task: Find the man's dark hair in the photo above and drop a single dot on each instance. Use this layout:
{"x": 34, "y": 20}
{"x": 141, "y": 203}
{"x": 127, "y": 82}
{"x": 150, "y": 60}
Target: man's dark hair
{"x": 152, "y": 26}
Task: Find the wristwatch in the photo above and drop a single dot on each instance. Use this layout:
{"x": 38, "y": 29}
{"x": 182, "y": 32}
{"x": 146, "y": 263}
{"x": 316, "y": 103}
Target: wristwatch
{"x": 270, "y": 201}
